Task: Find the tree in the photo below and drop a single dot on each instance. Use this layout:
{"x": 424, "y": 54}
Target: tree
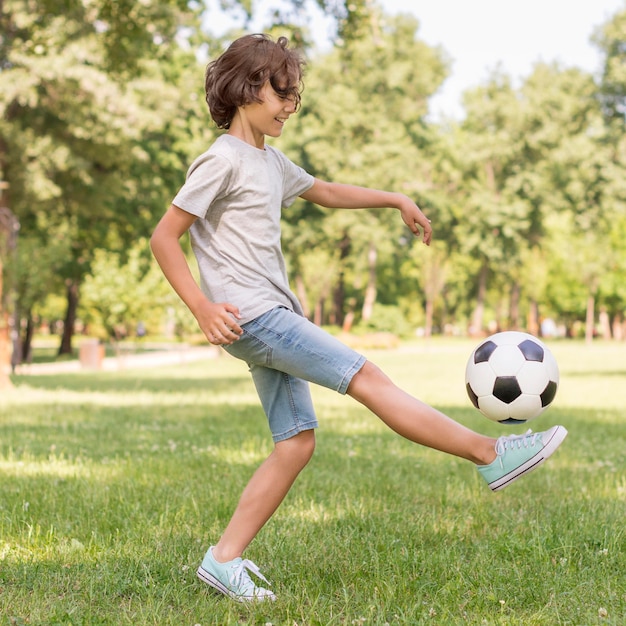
{"x": 581, "y": 171}
{"x": 9, "y": 227}
{"x": 610, "y": 38}
{"x": 121, "y": 292}
{"x": 495, "y": 217}
{"x": 80, "y": 142}
{"x": 362, "y": 121}
{"x": 37, "y": 271}
{"x": 534, "y": 151}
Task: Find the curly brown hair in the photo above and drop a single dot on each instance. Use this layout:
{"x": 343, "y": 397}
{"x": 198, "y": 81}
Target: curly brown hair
{"x": 236, "y": 77}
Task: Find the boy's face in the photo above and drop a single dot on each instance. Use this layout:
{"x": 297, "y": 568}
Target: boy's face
{"x": 269, "y": 116}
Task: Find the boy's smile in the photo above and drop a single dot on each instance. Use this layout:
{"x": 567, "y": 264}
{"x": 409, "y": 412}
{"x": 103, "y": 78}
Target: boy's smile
{"x": 252, "y": 122}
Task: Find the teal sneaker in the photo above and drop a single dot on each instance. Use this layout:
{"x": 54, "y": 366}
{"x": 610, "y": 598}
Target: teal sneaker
{"x": 519, "y": 454}
{"x": 232, "y": 578}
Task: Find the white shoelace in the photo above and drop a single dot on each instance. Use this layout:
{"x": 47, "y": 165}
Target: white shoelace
{"x": 515, "y": 441}
{"x": 240, "y": 573}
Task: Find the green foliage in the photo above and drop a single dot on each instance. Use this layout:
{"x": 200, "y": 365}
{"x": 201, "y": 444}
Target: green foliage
{"x": 95, "y": 123}
{"x": 36, "y": 270}
{"x": 610, "y": 39}
{"x": 118, "y": 294}
{"x": 102, "y": 110}
{"x": 362, "y": 122}
{"x": 387, "y": 318}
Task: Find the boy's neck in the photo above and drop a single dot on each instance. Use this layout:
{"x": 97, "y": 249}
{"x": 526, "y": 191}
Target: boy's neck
{"x": 245, "y": 132}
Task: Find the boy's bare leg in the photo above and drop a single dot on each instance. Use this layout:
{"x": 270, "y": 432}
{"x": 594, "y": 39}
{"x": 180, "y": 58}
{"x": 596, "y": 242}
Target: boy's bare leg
{"x": 415, "y": 420}
{"x": 264, "y": 492}
{"x": 408, "y": 416}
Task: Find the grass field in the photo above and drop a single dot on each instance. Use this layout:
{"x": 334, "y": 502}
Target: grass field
{"x": 113, "y": 484}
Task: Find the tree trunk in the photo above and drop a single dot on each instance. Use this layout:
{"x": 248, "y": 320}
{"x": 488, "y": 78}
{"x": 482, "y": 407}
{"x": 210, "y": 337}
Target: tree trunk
{"x": 27, "y": 339}
{"x": 5, "y": 337}
{"x": 618, "y": 328}
{"x": 589, "y": 319}
{"x": 370, "y": 290}
{"x": 605, "y": 324}
{"x": 302, "y": 296}
{"x": 318, "y": 314}
{"x": 514, "y": 315}
{"x": 8, "y": 230}
{"x": 5, "y": 349}
{"x": 533, "y": 318}
{"x": 479, "y": 310}
{"x": 339, "y": 293}
{"x": 429, "y": 311}
{"x": 70, "y": 318}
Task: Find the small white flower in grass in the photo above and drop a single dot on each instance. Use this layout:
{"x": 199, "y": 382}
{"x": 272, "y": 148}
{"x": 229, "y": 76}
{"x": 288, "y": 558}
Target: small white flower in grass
{"x": 602, "y": 612}
{"x": 25, "y": 506}
{"x": 185, "y": 568}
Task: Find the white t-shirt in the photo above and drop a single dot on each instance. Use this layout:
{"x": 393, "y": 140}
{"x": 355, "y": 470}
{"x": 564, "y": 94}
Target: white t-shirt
{"x": 237, "y": 192}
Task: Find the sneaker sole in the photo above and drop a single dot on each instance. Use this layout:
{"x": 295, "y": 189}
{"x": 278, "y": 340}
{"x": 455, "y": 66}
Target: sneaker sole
{"x": 210, "y": 580}
{"x": 549, "y": 447}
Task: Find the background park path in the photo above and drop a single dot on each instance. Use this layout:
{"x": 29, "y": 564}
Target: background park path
{"x": 151, "y": 357}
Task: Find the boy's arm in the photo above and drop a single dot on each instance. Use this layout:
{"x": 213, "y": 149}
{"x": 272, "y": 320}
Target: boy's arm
{"x": 217, "y": 321}
{"x": 340, "y": 196}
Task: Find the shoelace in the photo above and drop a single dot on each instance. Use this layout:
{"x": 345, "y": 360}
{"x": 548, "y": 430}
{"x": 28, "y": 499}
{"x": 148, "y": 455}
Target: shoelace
{"x": 241, "y": 576}
{"x": 515, "y": 441}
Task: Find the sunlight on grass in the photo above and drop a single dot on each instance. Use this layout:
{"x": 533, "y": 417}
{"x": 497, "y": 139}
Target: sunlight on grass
{"x": 252, "y": 452}
{"x": 60, "y": 468}
{"x": 138, "y": 398}
{"x": 113, "y": 484}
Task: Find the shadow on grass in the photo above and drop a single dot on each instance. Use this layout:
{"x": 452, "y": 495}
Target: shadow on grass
{"x": 126, "y": 527}
{"x": 93, "y": 432}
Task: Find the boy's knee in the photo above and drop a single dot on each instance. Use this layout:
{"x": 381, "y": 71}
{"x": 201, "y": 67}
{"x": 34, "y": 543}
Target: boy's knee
{"x": 300, "y": 446}
{"x": 366, "y": 380}
{"x": 307, "y": 444}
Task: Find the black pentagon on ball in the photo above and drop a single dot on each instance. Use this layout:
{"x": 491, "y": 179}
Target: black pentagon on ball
{"x": 484, "y": 351}
{"x": 472, "y": 396}
{"x": 512, "y": 420}
{"x": 506, "y": 389}
{"x": 547, "y": 395}
{"x": 531, "y": 350}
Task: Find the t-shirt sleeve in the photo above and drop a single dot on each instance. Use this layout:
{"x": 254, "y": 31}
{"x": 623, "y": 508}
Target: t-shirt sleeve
{"x": 207, "y": 180}
{"x": 295, "y": 182}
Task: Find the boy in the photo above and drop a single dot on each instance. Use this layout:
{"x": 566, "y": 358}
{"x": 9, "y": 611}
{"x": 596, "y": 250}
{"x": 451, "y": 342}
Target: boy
{"x": 231, "y": 204}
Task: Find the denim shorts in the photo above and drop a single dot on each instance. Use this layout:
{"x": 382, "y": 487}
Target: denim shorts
{"x": 285, "y": 352}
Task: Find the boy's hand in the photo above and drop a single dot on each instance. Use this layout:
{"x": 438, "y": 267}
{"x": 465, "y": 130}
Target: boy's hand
{"x": 218, "y": 322}
{"x": 415, "y": 219}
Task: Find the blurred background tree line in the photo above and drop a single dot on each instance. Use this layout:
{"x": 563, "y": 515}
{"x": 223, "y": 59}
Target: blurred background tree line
{"x": 102, "y": 110}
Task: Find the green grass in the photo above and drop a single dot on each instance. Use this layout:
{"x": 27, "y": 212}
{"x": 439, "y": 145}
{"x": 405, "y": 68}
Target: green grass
{"x": 112, "y": 486}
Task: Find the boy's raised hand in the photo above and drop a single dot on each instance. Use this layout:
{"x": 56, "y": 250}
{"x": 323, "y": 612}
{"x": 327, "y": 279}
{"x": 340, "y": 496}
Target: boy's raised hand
{"x": 416, "y": 221}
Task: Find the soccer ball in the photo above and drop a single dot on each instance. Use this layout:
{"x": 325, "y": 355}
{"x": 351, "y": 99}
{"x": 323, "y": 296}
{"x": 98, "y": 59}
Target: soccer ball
{"x": 511, "y": 377}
